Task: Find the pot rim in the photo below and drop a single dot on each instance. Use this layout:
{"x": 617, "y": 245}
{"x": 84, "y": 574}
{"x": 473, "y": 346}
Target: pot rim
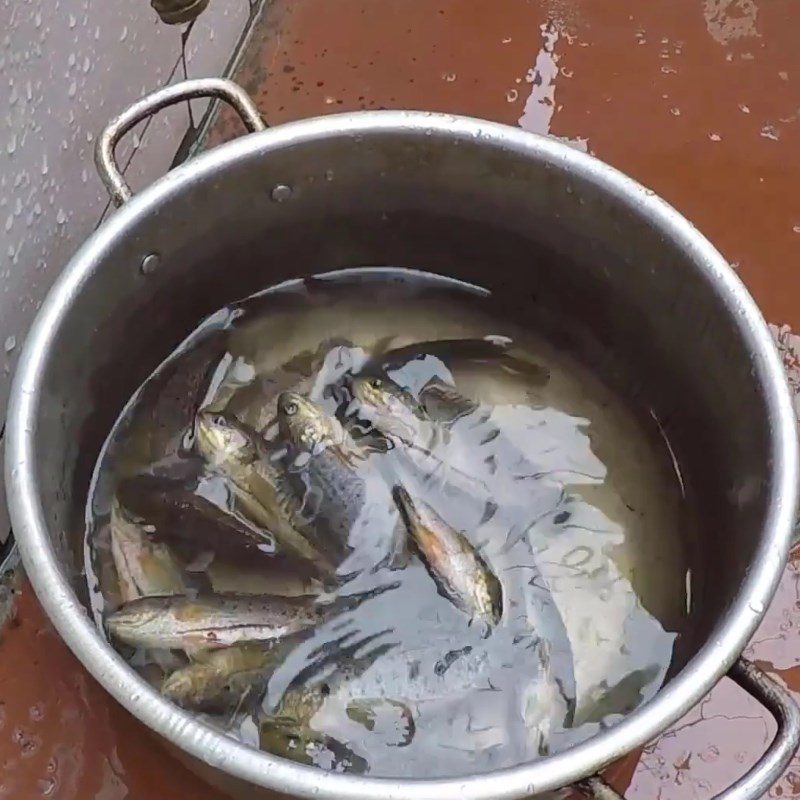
{"x": 262, "y": 769}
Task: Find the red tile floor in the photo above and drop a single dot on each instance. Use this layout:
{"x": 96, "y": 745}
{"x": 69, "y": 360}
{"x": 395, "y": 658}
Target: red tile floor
{"x": 698, "y": 99}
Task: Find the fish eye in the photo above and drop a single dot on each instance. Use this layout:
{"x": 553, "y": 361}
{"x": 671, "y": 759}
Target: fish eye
{"x": 219, "y": 420}
{"x": 290, "y": 408}
{"x": 375, "y": 383}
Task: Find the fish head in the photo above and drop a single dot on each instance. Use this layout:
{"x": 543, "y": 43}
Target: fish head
{"x": 490, "y": 601}
{"x": 383, "y": 395}
{"x": 137, "y": 616}
{"x": 371, "y": 392}
{"x": 185, "y": 685}
{"x": 222, "y": 439}
{"x": 405, "y": 505}
{"x": 389, "y": 407}
{"x": 305, "y": 425}
{"x": 417, "y": 519}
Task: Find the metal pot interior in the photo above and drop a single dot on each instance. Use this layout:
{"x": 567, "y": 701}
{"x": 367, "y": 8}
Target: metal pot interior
{"x": 592, "y": 269}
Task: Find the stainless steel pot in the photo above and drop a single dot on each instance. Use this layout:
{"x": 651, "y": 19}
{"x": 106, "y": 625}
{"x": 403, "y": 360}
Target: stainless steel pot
{"x": 563, "y": 240}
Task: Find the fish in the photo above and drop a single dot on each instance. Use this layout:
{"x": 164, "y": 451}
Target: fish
{"x": 335, "y": 667}
{"x": 396, "y": 414}
{"x": 495, "y": 349}
{"x": 255, "y": 403}
{"x": 446, "y": 350}
{"x": 265, "y": 575}
{"x": 325, "y": 678}
{"x": 459, "y": 571}
{"x": 166, "y": 406}
{"x": 191, "y": 524}
{"x": 393, "y": 411}
{"x": 221, "y": 680}
{"x": 211, "y": 621}
{"x": 143, "y": 567}
{"x": 324, "y": 470}
{"x": 308, "y": 428}
{"x": 183, "y": 622}
{"x": 241, "y": 455}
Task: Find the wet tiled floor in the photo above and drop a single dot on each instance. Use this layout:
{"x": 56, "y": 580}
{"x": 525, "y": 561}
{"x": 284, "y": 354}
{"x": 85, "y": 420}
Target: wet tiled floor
{"x": 698, "y": 99}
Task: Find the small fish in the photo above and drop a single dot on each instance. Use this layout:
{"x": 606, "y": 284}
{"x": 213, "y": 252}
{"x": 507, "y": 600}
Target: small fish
{"x": 143, "y": 567}
{"x": 241, "y": 455}
{"x": 182, "y": 622}
{"x": 221, "y": 680}
{"x": 497, "y": 350}
{"x": 307, "y": 427}
{"x": 396, "y": 414}
{"x": 191, "y": 524}
{"x": 392, "y": 410}
{"x": 167, "y": 404}
{"x": 324, "y": 471}
{"x": 332, "y": 676}
{"x": 460, "y": 573}
{"x": 447, "y": 350}
{"x": 210, "y": 621}
{"x": 307, "y": 693}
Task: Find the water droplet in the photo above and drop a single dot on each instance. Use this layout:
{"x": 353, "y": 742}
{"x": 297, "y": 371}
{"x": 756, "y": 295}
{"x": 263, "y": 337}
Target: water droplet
{"x": 61, "y": 217}
{"x": 73, "y": 88}
{"x": 87, "y": 64}
{"x": 123, "y": 34}
{"x": 281, "y": 193}
{"x": 512, "y": 95}
{"x": 744, "y": 109}
{"x": 449, "y": 76}
{"x": 44, "y": 164}
{"x": 47, "y": 786}
{"x": 10, "y": 344}
{"x": 37, "y": 20}
{"x": 72, "y": 21}
{"x": 12, "y": 144}
{"x": 676, "y": 112}
{"x": 150, "y": 263}
{"x": 328, "y": 174}
{"x": 71, "y": 60}
{"x": 27, "y": 743}
{"x": 36, "y": 712}
{"x": 715, "y": 137}
{"x": 9, "y": 222}
{"x": 796, "y": 228}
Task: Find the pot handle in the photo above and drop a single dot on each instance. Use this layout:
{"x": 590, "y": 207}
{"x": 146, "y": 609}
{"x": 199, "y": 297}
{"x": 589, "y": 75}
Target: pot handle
{"x": 220, "y": 88}
{"x": 780, "y": 703}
